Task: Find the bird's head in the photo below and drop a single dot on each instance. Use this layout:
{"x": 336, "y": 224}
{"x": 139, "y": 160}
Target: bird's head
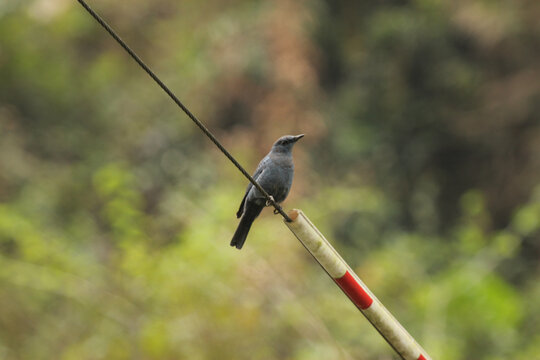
{"x": 286, "y": 143}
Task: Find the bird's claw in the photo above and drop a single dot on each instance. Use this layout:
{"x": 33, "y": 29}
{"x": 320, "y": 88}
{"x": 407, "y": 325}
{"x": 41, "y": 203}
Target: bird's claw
{"x": 270, "y": 202}
{"x": 276, "y": 211}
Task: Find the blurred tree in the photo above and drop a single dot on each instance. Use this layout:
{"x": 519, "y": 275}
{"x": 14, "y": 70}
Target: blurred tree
{"x": 419, "y": 163}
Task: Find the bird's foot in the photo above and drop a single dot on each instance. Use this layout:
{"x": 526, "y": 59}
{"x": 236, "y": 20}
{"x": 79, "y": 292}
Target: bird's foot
{"x": 276, "y": 211}
{"x": 268, "y": 202}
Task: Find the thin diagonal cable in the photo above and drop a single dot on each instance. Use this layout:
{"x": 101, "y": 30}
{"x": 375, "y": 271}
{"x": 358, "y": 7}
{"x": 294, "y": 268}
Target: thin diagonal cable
{"x": 201, "y": 126}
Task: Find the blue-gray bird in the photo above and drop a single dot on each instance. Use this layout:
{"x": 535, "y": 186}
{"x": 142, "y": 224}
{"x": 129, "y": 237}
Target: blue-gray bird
{"x": 275, "y": 175}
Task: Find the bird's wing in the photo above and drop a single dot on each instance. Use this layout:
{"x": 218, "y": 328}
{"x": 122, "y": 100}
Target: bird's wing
{"x": 255, "y": 176}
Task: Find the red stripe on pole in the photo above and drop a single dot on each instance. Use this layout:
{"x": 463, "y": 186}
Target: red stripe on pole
{"x": 355, "y": 291}
{"x": 421, "y": 357}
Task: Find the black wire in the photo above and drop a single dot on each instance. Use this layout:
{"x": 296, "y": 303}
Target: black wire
{"x": 201, "y": 126}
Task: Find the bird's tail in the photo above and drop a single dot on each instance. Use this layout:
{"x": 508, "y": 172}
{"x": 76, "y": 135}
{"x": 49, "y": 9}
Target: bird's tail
{"x": 240, "y": 235}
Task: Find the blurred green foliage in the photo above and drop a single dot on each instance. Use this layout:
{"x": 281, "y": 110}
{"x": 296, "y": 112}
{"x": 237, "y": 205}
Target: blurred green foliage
{"x": 419, "y": 163}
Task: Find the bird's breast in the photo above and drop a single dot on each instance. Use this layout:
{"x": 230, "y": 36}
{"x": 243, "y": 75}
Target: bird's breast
{"x": 277, "y": 177}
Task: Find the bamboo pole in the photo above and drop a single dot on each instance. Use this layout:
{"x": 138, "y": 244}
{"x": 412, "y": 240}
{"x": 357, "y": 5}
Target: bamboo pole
{"x": 342, "y": 274}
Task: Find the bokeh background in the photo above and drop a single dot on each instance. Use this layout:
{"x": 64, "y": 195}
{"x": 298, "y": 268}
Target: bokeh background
{"x": 420, "y": 163}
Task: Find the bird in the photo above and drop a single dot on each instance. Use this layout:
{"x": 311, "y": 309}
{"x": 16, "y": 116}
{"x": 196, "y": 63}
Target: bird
{"x": 275, "y": 175}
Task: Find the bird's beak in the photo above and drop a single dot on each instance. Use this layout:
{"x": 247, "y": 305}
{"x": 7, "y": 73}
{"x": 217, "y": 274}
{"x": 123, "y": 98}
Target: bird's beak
{"x": 298, "y": 137}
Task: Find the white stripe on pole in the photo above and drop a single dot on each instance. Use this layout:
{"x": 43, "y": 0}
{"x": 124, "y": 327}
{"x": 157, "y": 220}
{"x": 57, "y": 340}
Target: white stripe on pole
{"x": 392, "y": 331}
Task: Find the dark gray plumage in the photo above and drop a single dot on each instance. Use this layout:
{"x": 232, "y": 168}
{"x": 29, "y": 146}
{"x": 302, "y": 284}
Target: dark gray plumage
{"x": 275, "y": 175}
